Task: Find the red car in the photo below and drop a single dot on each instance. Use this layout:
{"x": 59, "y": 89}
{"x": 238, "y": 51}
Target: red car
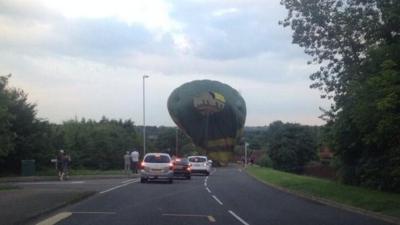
{"x": 182, "y": 168}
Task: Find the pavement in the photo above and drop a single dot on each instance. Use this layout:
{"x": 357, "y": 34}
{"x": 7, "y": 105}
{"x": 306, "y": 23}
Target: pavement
{"x": 228, "y": 196}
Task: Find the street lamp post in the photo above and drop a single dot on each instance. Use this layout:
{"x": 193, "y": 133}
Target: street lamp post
{"x": 144, "y": 116}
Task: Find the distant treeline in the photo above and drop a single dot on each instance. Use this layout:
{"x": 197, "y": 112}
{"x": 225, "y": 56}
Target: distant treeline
{"x": 91, "y": 144}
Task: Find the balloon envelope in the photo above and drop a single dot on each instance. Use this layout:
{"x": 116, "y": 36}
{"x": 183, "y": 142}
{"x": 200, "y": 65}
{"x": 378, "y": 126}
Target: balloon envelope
{"x": 210, "y": 112}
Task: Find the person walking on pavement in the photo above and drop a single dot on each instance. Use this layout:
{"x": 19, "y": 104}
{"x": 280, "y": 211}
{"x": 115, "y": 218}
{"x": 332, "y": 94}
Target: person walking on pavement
{"x": 127, "y": 163}
{"x": 134, "y": 160}
{"x": 66, "y": 165}
{"x": 60, "y": 168}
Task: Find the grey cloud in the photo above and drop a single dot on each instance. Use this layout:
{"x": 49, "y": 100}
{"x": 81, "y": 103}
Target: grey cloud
{"x": 250, "y": 31}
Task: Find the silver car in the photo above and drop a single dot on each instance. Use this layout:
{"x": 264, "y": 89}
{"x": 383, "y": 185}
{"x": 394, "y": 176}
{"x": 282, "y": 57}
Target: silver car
{"x": 156, "y": 166}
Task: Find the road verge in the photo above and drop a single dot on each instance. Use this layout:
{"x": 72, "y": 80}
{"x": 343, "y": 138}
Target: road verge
{"x": 380, "y": 205}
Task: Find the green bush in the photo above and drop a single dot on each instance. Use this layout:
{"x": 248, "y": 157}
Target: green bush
{"x": 264, "y": 161}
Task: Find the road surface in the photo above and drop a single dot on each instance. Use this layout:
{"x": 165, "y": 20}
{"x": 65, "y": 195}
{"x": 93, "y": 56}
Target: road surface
{"x": 228, "y": 197}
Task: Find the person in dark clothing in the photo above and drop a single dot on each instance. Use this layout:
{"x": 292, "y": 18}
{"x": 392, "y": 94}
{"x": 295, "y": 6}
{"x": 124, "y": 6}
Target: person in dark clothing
{"x": 60, "y": 164}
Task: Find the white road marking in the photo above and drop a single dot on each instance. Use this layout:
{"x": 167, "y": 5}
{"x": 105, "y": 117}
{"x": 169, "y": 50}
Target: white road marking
{"x": 108, "y": 213}
{"x": 208, "y": 189}
{"x": 55, "y": 219}
{"x": 77, "y": 182}
{"x": 119, "y": 186}
{"x": 213, "y": 171}
{"x": 53, "y": 182}
{"x": 216, "y": 199}
{"x": 126, "y": 181}
{"x": 238, "y": 217}
{"x": 209, "y": 217}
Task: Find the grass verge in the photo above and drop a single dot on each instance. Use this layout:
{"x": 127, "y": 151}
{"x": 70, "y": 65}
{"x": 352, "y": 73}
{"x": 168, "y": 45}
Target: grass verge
{"x": 376, "y": 201}
{"x": 7, "y": 187}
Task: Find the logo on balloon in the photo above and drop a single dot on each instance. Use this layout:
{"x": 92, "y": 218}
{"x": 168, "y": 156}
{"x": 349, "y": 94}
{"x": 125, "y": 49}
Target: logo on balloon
{"x": 209, "y": 102}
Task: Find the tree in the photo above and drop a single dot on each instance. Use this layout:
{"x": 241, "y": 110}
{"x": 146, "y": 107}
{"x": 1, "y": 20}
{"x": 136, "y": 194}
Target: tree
{"x": 291, "y": 146}
{"x": 356, "y": 44}
{"x": 6, "y": 136}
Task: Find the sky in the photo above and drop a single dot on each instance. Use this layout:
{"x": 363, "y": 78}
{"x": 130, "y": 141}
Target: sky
{"x": 86, "y": 58}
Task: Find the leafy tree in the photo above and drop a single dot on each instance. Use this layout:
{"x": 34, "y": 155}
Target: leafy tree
{"x": 6, "y": 135}
{"x": 291, "y": 146}
{"x": 356, "y": 43}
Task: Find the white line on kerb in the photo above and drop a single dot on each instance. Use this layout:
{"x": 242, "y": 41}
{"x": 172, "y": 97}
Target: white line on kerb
{"x": 119, "y": 186}
{"x": 216, "y": 199}
{"x": 208, "y": 189}
{"x": 238, "y": 218}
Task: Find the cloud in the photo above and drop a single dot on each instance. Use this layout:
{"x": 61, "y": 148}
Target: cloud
{"x": 88, "y": 61}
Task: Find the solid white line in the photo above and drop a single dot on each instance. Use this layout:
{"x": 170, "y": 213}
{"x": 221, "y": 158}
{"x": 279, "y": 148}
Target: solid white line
{"x": 119, "y": 186}
{"x": 53, "y": 182}
{"x": 108, "y": 213}
{"x": 126, "y": 181}
{"x": 77, "y": 182}
{"x": 237, "y": 217}
{"x": 208, "y": 189}
{"x": 55, "y": 219}
{"x": 216, "y": 199}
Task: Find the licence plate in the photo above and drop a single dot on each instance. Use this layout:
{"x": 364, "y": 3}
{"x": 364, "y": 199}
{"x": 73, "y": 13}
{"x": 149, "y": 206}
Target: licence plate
{"x": 156, "y": 170}
{"x": 178, "y": 167}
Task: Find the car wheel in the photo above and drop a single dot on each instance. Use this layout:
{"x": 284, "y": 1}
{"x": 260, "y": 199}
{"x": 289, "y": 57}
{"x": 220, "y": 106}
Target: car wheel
{"x": 170, "y": 181}
{"x": 207, "y": 173}
{"x": 189, "y": 177}
{"x": 143, "y": 180}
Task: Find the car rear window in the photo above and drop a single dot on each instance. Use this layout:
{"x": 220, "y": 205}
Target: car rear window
{"x": 197, "y": 159}
{"x": 181, "y": 162}
{"x": 157, "y": 159}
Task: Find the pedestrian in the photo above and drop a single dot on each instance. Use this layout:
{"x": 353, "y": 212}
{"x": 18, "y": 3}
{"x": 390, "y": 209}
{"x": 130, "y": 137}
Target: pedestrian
{"x": 66, "y": 165}
{"x": 134, "y": 160}
{"x": 127, "y": 163}
{"x": 60, "y": 168}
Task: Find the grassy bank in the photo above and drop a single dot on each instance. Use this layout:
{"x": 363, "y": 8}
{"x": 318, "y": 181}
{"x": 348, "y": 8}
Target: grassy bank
{"x": 377, "y": 201}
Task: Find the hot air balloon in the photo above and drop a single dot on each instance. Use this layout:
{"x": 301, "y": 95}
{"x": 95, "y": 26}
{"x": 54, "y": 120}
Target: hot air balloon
{"x": 211, "y": 113}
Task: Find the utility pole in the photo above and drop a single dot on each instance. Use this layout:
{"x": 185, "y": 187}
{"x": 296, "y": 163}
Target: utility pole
{"x": 144, "y": 116}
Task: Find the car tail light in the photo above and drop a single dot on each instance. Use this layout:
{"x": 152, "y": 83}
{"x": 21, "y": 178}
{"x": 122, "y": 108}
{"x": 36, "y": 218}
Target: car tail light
{"x": 171, "y": 166}
{"x": 142, "y": 165}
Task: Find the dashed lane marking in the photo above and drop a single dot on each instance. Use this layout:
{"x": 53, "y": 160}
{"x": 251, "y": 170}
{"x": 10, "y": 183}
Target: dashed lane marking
{"x": 55, "y": 219}
{"x": 119, "y": 186}
{"x": 208, "y": 189}
{"x": 216, "y": 199}
{"x": 238, "y": 217}
{"x": 209, "y": 217}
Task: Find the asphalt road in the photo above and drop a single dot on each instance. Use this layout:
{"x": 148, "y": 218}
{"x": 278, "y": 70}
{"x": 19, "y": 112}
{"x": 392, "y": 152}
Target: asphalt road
{"x": 227, "y": 197}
